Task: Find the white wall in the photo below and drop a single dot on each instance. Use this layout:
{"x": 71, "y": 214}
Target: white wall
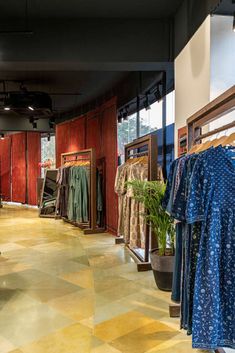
{"x": 192, "y": 76}
{"x": 222, "y": 75}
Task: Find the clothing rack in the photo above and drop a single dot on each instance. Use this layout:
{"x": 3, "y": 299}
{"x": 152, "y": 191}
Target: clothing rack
{"x": 86, "y": 155}
{"x": 132, "y": 150}
{"x": 225, "y": 103}
{"x": 1, "y": 183}
{"x": 214, "y": 110}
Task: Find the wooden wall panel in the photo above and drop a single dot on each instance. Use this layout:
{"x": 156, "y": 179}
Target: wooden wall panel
{"x": 5, "y": 157}
{"x": 33, "y": 169}
{"x": 18, "y": 156}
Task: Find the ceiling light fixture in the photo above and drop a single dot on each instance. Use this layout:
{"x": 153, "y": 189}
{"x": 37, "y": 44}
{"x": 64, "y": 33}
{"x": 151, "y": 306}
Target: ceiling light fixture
{"x": 126, "y": 113}
{"x": 157, "y": 94}
{"x": 120, "y": 116}
{"x": 30, "y": 108}
{"x": 2, "y": 136}
{"x": 7, "y": 108}
{"x": 146, "y": 102}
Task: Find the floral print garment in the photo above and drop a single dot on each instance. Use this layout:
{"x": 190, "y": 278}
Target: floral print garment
{"x": 211, "y": 200}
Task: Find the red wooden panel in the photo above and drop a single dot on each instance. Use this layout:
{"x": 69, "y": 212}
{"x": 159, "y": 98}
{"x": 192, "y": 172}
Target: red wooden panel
{"x": 62, "y": 141}
{"x": 19, "y": 167}
{"x": 77, "y": 134}
{"x": 33, "y": 168}
{"x": 5, "y": 157}
{"x": 109, "y": 146}
{"x": 93, "y": 136}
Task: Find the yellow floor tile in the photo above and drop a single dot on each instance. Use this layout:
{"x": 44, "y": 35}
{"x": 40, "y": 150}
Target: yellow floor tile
{"x": 73, "y": 339}
{"x": 65, "y": 292}
{"x": 82, "y": 278}
{"x": 78, "y": 305}
{"x": 144, "y": 338}
{"x": 5, "y": 345}
{"x": 120, "y": 325}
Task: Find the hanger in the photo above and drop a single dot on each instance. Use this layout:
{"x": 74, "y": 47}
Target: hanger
{"x": 204, "y": 146}
{"x": 220, "y": 141}
{"x": 230, "y": 140}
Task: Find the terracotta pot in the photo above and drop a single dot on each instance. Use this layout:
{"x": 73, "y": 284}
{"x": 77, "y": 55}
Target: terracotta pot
{"x": 162, "y": 269}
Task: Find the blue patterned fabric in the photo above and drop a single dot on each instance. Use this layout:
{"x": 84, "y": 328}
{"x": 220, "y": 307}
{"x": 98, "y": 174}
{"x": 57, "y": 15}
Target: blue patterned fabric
{"x": 211, "y": 201}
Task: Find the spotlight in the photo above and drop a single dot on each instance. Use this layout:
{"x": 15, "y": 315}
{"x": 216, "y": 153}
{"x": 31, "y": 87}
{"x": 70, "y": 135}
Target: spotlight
{"x": 30, "y": 108}
{"x": 234, "y": 22}
{"x": 120, "y": 116}
{"x": 48, "y": 137}
{"x": 157, "y": 94}
{"x": 126, "y": 113}
{"x": 7, "y": 108}
{"x": 146, "y": 103}
{"x": 51, "y": 123}
{"x": 2, "y": 136}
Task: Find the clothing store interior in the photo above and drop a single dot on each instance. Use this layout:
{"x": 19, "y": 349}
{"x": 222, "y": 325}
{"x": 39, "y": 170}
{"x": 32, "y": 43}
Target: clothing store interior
{"x": 117, "y": 176}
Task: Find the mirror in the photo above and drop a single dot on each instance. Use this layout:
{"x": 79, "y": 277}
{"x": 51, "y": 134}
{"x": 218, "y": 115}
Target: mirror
{"x": 49, "y": 194}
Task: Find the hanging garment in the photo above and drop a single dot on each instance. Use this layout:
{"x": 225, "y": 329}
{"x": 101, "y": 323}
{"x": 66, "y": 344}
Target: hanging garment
{"x": 204, "y": 202}
{"x": 99, "y": 199}
{"x": 123, "y": 202}
{"x": 137, "y": 221}
{"x": 211, "y": 201}
{"x": 78, "y": 201}
{"x": 63, "y": 191}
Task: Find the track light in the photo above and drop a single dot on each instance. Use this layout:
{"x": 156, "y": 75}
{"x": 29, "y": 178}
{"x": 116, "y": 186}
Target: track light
{"x": 120, "y": 116}
{"x": 157, "y": 94}
{"x": 146, "y": 102}
{"x": 30, "y": 108}
{"x": 34, "y": 123}
{"x": 48, "y": 137}
{"x": 51, "y": 123}
{"x": 126, "y": 113}
{"x": 7, "y": 108}
{"x": 2, "y": 136}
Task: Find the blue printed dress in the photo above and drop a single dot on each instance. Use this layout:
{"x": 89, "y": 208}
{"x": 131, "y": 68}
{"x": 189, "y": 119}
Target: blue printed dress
{"x": 211, "y": 201}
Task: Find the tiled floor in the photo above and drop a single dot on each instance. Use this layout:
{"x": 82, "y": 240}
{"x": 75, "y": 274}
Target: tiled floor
{"x": 63, "y": 292}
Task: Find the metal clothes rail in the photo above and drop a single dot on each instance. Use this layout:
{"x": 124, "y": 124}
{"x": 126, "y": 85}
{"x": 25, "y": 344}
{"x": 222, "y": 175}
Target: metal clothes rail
{"x": 86, "y": 155}
{"x": 146, "y": 145}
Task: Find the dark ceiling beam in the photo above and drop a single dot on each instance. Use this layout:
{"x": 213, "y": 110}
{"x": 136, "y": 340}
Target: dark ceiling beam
{"x": 188, "y": 19}
{"x": 15, "y": 123}
{"x": 87, "y": 43}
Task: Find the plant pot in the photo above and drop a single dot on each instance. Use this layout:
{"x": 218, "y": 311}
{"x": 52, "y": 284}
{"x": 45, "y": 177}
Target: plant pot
{"x": 162, "y": 269}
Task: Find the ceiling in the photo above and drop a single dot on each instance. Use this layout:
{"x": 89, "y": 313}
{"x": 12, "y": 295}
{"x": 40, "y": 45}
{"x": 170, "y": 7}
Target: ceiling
{"x": 68, "y": 89}
{"x": 226, "y": 7}
{"x": 78, "y": 50}
{"x": 89, "y": 8}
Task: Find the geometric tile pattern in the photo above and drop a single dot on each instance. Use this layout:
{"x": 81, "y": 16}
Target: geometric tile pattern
{"x": 65, "y": 292}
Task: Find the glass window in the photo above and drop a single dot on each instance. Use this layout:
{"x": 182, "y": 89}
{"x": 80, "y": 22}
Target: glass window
{"x": 127, "y": 132}
{"x": 170, "y": 108}
{"x": 151, "y": 119}
{"x": 47, "y": 153}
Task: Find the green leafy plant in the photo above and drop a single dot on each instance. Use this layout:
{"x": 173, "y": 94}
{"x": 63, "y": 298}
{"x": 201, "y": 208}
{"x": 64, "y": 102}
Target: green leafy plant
{"x": 151, "y": 194}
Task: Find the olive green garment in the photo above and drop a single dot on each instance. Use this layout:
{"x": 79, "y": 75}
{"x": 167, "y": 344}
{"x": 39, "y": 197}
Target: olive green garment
{"x": 72, "y": 186}
{"x": 81, "y": 196}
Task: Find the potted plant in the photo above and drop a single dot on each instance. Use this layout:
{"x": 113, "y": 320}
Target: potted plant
{"x": 151, "y": 194}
